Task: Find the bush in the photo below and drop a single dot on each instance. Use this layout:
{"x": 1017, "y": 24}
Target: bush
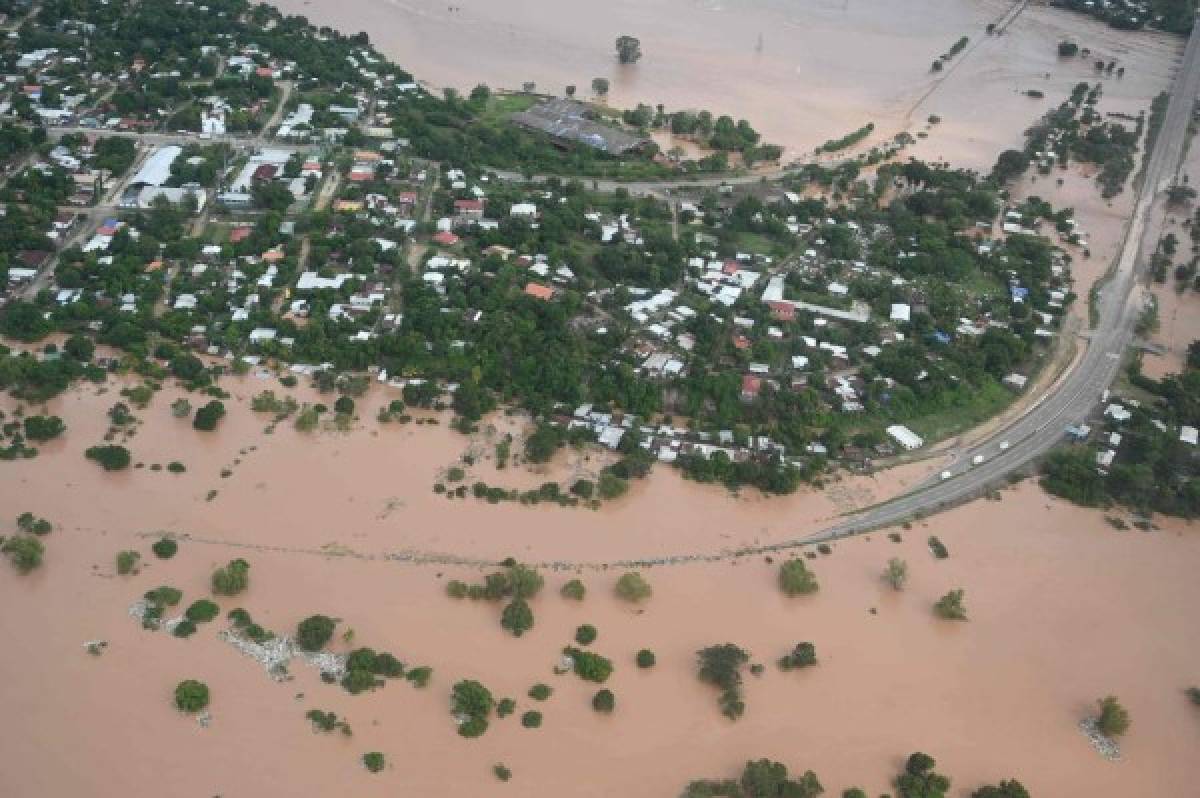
{"x": 110, "y": 457}
{"x": 207, "y": 417}
{"x": 531, "y": 719}
{"x": 646, "y": 658}
{"x": 126, "y": 561}
{"x": 191, "y": 695}
{"x": 589, "y": 666}
{"x": 1194, "y": 694}
{"x": 585, "y": 634}
{"x": 938, "y": 548}
{"x": 583, "y": 488}
{"x": 796, "y": 580}
{"x": 232, "y": 579}
{"x": 604, "y": 701}
{"x": 502, "y": 773}
{"x": 505, "y": 707}
{"x": 344, "y": 405}
{"x": 202, "y": 611}
{"x": 164, "y": 548}
{"x": 314, "y": 632}
{"x": 373, "y": 761}
{"x": 574, "y": 590}
{"x": 540, "y": 692}
{"x": 184, "y": 628}
{"x": 176, "y": 467}
{"x": 632, "y": 587}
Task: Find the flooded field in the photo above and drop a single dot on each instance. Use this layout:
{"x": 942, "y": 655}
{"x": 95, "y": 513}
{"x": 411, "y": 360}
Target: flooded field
{"x": 1097, "y": 611}
{"x": 824, "y": 68}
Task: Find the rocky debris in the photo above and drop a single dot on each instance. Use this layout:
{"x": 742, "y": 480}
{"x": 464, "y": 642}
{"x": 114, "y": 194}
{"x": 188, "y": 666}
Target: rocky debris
{"x": 275, "y": 654}
{"x": 1107, "y": 747}
{"x": 95, "y": 647}
{"x": 204, "y": 719}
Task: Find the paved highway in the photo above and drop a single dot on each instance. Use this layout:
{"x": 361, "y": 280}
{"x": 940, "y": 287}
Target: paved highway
{"x": 1076, "y": 394}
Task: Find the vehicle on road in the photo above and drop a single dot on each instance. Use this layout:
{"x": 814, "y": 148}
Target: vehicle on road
{"x": 1004, "y": 446}
{"x": 946, "y": 475}
{"x": 977, "y": 460}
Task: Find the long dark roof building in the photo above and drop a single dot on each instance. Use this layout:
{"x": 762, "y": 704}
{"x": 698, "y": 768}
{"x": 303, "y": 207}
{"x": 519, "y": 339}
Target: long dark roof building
{"x": 566, "y": 121}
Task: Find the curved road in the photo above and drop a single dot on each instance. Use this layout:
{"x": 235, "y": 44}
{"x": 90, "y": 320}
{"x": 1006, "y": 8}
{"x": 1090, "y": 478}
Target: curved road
{"x": 1073, "y": 397}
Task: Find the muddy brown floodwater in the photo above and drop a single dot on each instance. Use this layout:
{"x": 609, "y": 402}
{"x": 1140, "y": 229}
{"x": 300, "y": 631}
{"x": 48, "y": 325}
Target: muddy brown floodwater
{"x": 1063, "y": 609}
{"x": 825, "y": 68}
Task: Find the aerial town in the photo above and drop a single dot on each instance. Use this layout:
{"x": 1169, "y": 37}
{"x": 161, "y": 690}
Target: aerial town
{"x": 669, "y": 326}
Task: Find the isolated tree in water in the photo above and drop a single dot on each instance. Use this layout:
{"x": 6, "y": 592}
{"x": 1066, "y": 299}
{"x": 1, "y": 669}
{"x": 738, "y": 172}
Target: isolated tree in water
{"x": 629, "y": 49}
{"x": 600, "y": 87}
{"x": 1114, "y": 718}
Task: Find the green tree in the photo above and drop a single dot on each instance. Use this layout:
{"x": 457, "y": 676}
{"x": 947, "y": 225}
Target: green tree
{"x": 632, "y": 587}
{"x": 574, "y": 590}
{"x": 1010, "y": 788}
{"x": 600, "y": 87}
{"x": 25, "y": 553}
{"x": 629, "y": 49}
{"x": 471, "y": 703}
{"x": 531, "y": 719}
{"x": 208, "y": 416}
{"x": 191, "y": 695}
{"x": 164, "y": 548}
{"x": 721, "y": 665}
{"x": 232, "y": 579}
{"x": 896, "y": 573}
{"x": 604, "y": 701}
{"x": 1113, "y": 720}
{"x": 950, "y": 606}
{"x": 517, "y": 617}
{"x": 920, "y": 780}
{"x": 111, "y": 457}
{"x": 646, "y": 658}
{"x": 796, "y": 580}
{"x": 373, "y": 761}
{"x": 126, "y": 561}
{"x": 314, "y": 632}
{"x": 585, "y": 634}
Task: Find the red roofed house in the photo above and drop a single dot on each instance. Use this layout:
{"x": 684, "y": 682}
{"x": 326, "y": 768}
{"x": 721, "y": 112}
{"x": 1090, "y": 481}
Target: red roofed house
{"x": 741, "y": 342}
{"x": 240, "y": 233}
{"x": 782, "y": 311}
{"x": 731, "y": 267}
{"x": 265, "y": 72}
{"x": 469, "y": 207}
{"x": 265, "y": 171}
{"x": 751, "y": 385}
{"x": 445, "y": 238}
{"x": 539, "y": 291}
{"x": 407, "y": 198}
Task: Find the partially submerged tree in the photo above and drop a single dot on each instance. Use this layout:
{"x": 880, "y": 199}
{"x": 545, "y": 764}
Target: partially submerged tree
{"x": 950, "y": 606}
{"x": 896, "y": 573}
{"x": 796, "y": 580}
{"x": 1113, "y": 720}
{"x": 632, "y": 587}
{"x": 629, "y": 49}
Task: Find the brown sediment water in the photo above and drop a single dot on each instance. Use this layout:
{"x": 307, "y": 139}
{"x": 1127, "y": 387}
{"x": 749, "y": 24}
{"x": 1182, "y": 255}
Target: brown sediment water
{"x": 825, "y": 68}
{"x": 1063, "y": 609}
